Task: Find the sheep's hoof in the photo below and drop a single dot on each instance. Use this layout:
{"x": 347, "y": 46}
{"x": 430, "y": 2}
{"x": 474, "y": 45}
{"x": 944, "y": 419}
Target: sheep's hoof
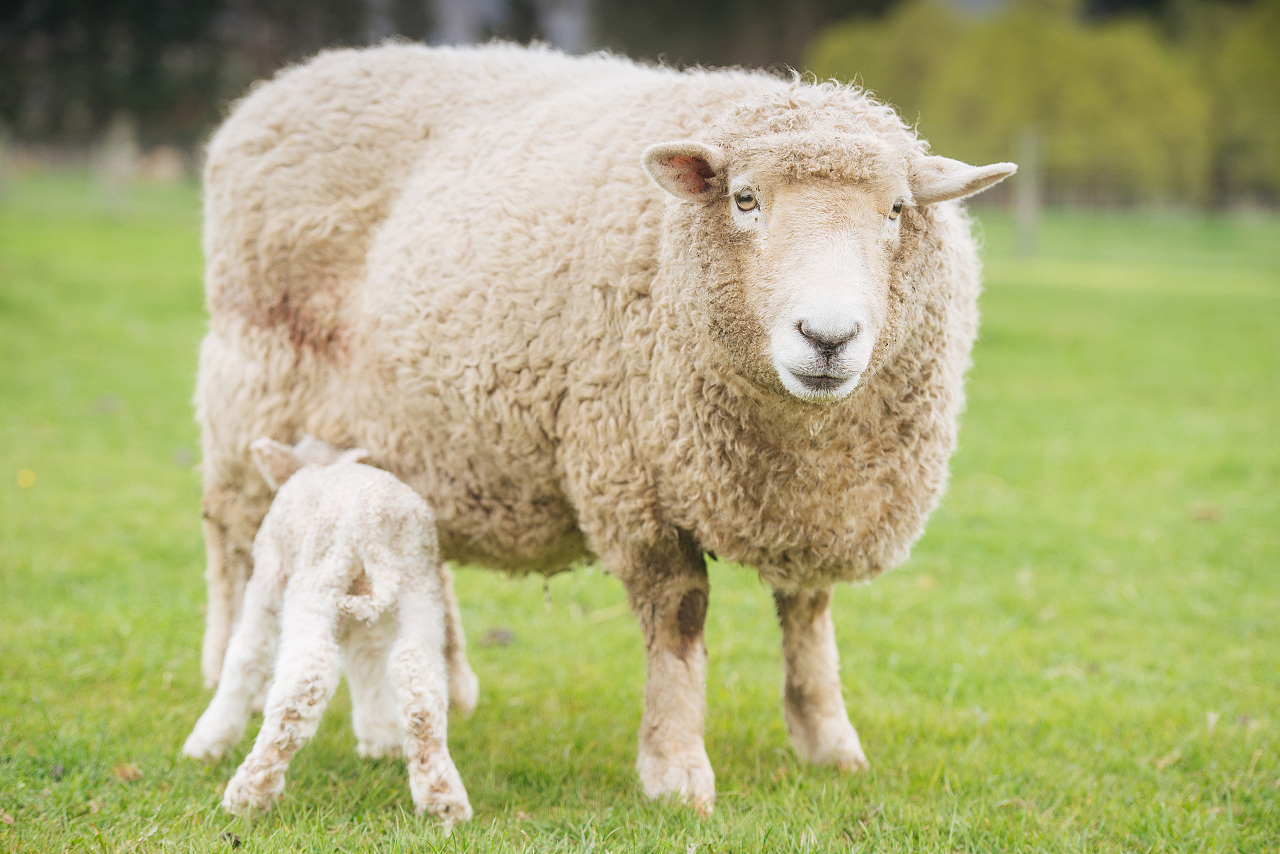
{"x": 686, "y": 777}
{"x": 852, "y": 760}
{"x": 829, "y": 741}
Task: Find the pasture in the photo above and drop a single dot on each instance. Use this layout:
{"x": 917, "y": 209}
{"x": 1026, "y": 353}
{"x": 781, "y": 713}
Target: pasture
{"x": 1083, "y": 654}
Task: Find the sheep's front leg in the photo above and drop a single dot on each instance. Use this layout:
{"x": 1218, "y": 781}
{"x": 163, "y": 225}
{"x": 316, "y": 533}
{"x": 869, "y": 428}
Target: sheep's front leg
{"x": 813, "y": 705}
{"x": 307, "y": 672}
{"x": 668, "y": 592}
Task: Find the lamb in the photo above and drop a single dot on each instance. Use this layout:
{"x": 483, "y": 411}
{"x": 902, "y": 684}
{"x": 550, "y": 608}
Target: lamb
{"x": 589, "y": 308}
{"x": 345, "y": 567}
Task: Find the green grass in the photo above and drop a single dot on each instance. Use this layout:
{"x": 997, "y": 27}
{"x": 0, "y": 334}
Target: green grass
{"x": 1082, "y": 655}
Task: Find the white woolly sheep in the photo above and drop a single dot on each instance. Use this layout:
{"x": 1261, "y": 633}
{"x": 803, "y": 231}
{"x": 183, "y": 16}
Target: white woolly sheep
{"x": 454, "y": 258}
{"x": 346, "y": 571}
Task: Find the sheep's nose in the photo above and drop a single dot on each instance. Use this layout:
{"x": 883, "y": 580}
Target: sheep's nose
{"x": 828, "y": 340}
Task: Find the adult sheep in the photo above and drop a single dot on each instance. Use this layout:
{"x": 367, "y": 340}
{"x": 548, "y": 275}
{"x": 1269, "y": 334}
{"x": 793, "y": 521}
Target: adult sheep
{"x": 454, "y": 258}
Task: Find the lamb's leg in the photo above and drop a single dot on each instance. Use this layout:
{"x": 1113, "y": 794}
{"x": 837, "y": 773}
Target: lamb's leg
{"x": 420, "y": 679}
{"x": 813, "y": 705}
{"x": 373, "y": 702}
{"x": 307, "y": 673}
{"x": 245, "y": 670}
{"x": 668, "y": 593}
{"x": 464, "y": 687}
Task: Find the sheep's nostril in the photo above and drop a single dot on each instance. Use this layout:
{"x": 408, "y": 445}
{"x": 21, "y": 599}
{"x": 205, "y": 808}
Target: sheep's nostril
{"x": 827, "y": 340}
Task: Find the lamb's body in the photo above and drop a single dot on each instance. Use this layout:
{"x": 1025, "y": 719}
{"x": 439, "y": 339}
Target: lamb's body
{"x": 453, "y": 259}
{"x": 345, "y": 567}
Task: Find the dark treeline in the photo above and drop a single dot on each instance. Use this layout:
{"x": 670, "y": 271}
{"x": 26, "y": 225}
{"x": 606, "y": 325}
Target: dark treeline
{"x": 68, "y": 67}
{"x": 1128, "y": 100}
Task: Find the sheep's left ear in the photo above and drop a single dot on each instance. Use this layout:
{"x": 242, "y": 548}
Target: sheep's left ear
{"x": 936, "y": 179}
{"x": 687, "y": 170}
{"x": 276, "y": 461}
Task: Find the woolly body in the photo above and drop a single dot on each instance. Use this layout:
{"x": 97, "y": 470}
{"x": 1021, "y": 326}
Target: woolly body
{"x": 524, "y": 355}
{"x": 346, "y": 569}
{"x": 453, "y": 258}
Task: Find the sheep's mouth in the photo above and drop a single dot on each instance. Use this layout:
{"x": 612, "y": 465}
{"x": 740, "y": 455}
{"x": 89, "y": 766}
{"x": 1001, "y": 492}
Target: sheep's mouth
{"x": 823, "y": 385}
{"x": 820, "y": 382}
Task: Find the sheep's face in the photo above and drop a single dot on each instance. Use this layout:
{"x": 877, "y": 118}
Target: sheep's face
{"x": 817, "y": 255}
{"x": 801, "y": 246}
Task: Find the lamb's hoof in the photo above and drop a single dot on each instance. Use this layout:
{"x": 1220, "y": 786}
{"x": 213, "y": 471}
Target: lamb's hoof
{"x": 370, "y": 748}
{"x": 242, "y": 799}
{"x": 449, "y": 808}
{"x": 687, "y": 777}
{"x": 438, "y": 790}
{"x": 832, "y": 741}
{"x": 204, "y": 748}
{"x": 464, "y": 690}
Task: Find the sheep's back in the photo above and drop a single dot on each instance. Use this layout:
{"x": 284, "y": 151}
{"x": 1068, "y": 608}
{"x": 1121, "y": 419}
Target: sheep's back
{"x": 308, "y": 164}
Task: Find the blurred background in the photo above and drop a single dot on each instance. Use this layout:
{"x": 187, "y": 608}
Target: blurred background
{"x": 1103, "y": 102}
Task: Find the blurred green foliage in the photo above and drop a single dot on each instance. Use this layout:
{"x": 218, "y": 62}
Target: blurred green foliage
{"x": 1124, "y": 111}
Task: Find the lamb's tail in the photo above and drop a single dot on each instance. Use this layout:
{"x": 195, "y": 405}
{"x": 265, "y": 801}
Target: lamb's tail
{"x": 376, "y": 589}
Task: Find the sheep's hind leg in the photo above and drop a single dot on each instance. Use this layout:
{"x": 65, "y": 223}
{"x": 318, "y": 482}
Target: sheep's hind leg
{"x": 373, "y": 702}
{"x": 307, "y": 672}
{"x": 813, "y": 705}
{"x": 420, "y": 680}
{"x": 668, "y": 593}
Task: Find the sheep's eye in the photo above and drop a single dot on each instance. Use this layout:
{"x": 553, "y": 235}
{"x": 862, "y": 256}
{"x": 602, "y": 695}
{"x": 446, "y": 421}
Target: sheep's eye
{"x": 897, "y": 209}
{"x": 746, "y": 200}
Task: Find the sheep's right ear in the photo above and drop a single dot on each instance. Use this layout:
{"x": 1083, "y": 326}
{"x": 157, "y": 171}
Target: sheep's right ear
{"x": 687, "y": 170}
{"x": 277, "y": 462}
{"x": 937, "y": 179}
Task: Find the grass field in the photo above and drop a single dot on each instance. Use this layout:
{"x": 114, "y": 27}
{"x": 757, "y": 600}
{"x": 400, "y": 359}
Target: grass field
{"x": 1082, "y": 655}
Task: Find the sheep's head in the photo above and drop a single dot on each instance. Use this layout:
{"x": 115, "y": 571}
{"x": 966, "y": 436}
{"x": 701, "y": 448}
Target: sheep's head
{"x": 796, "y": 238}
{"x": 277, "y": 462}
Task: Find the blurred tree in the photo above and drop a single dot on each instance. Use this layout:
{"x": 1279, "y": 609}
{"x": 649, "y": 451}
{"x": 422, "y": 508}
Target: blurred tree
{"x": 1238, "y": 53}
{"x": 758, "y": 33}
{"x": 1121, "y": 116}
{"x": 1179, "y": 100}
{"x": 68, "y": 66}
{"x": 253, "y": 38}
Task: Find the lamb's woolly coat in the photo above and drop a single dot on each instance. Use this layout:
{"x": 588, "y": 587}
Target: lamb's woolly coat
{"x": 346, "y": 567}
{"x": 453, "y": 258}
